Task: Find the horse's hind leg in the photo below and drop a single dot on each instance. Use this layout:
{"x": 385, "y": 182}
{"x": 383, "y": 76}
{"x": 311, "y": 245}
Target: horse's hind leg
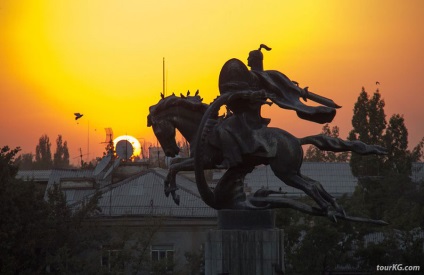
{"x": 286, "y": 167}
{"x": 325, "y": 194}
{"x": 296, "y": 181}
{"x": 312, "y": 188}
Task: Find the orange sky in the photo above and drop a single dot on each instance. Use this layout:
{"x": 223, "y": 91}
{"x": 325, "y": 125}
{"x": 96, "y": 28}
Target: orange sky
{"x": 103, "y": 58}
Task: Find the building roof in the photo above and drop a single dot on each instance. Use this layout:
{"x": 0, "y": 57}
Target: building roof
{"x": 144, "y": 195}
{"x": 336, "y": 178}
{"x": 72, "y": 195}
{"x": 140, "y": 194}
{"x": 34, "y": 175}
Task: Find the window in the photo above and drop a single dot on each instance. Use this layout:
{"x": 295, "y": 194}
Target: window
{"x": 162, "y": 257}
{"x": 112, "y": 259}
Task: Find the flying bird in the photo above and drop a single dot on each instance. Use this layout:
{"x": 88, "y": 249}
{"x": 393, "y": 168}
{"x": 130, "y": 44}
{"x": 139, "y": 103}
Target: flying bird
{"x": 78, "y": 116}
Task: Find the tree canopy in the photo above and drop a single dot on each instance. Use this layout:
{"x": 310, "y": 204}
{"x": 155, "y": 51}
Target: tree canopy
{"x": 43, "y": 155}
{"x": 61, "y": 156}
{"x": 38, "y": 235}
{"x": 384, "y": 191}
{"x": 370, "y": 126}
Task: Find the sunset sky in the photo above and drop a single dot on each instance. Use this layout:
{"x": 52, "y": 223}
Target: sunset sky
{"x": 103, "y": 58}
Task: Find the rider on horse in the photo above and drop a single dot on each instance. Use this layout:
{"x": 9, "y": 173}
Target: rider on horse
{"x": 237, "y": 136}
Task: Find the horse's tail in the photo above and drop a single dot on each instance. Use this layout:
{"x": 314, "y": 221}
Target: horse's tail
{"x": 327, "y": 143}
{"x": 205, "y": 127}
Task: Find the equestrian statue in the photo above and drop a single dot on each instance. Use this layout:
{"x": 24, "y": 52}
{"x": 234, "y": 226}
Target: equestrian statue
{"x": 241, "y": 139}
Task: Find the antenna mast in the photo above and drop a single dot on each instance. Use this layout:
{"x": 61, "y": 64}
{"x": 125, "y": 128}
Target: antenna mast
{"x": 88, "y": 142}
{"x": 82, "y": 163}
{"x": 163, "y": 77}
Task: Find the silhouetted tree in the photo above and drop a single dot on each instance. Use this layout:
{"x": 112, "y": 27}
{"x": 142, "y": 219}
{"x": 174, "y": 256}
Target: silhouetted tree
{"x": 314, "y": 245}
{"x": 38, "y": 236}
{"x": 25, "y": 161}
{"x": 417, "y": 153}
{"x": 392, "y": 195}
{"x": 70, "y": 235}
{"x": 369, "y": 123}
{"x": 43, "y": 155}
{"x": 396, "y": 141}
{"x": 61, "y": 156}
{"x": 369, "y": 126}
{"x": 8, "y": 170}
{"x": 22, "y": 220}
{"x": 133, "y": 248}
{"x": 385, "y": 191}
{"x": 315, "y": 154}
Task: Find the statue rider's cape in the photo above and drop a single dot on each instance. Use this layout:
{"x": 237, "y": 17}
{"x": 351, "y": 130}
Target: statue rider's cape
{"x": 242, "y": 133}
{"x": 280, "y": 89}
{"x": 287, "y": 96}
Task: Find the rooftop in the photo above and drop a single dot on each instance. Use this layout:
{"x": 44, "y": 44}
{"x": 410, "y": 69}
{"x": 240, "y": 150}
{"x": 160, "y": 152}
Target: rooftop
{"x": 142, "y": 192}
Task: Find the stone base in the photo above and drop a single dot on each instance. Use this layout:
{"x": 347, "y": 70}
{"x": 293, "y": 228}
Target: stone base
{"x": 244, "y": 251}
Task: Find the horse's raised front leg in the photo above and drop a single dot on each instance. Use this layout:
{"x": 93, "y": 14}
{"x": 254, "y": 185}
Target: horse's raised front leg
{"x": 184, "y": 164}
{"x": 174, "y": 168}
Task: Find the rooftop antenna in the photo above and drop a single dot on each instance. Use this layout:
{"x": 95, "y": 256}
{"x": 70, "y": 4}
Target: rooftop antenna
{"x": 109, "y": 141}
{"x": 163, "y": 77}
{"x": 88, "y": 142}
{"x": 82, "y": 163}
{"x": 143, "y": 147}
{"x": 80, "y": 156}
{"x": 78, "y": 116}
{"x": 108, "y": 157}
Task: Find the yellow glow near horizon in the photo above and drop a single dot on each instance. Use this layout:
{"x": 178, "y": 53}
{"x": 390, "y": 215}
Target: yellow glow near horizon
{"x": 134, "y": 142}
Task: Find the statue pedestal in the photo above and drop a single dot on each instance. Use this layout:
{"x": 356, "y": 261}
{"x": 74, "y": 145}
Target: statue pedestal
{"x": 245, "y": 243}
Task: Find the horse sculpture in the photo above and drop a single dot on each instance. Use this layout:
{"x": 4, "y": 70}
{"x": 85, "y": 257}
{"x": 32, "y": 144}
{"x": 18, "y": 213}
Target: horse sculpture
{"x": 198, "y": 122}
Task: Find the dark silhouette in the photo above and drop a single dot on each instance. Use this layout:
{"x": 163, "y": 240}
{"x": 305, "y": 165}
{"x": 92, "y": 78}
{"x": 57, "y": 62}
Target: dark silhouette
{"x": 242, "y": 139}
{"x": 185, "y": 114}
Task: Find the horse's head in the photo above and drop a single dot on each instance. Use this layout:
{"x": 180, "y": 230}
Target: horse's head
{"x": 164, "y": 131}
{"x": 170, "y": 113}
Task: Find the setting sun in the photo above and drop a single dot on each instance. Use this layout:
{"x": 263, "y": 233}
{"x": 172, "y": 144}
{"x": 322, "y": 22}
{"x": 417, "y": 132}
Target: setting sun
{"x": 133, "y": 141}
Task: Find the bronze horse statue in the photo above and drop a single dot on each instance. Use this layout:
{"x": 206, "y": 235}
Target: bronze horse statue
{"x": 198, "y": 123}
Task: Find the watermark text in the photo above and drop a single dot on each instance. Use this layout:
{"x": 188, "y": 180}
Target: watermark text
{"x": 398, "y": 267}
